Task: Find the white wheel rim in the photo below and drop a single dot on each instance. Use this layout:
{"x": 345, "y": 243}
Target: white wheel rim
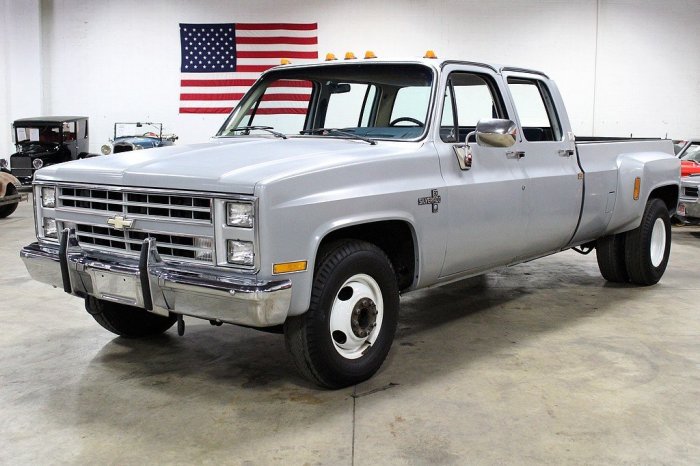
{"x": 658, "y": 242}
{"x": 356, "y": 316}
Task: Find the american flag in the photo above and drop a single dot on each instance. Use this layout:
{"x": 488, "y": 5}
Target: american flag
{"x": 219, "y": 62}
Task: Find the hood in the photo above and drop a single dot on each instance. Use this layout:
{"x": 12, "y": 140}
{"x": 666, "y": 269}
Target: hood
{"x": 228, "y": 165}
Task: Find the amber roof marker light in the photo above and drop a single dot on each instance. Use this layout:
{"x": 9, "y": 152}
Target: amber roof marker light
{"x": 350, "y": 56}
{"x": 430, "y": 54}
{"x": 331, "y": 57}
{"x": 369, "y": 54}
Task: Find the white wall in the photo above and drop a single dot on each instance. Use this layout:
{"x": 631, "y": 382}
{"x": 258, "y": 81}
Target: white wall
{"x": 20, "y": 66}
{"x": 623, "y": 66}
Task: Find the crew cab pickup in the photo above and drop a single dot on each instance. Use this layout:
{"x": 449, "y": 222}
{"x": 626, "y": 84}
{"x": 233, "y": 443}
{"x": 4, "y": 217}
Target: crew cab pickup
{"x": 333, "y": 188}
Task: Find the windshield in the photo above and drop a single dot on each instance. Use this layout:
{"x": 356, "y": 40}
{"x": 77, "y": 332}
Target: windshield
{"x": 376, "y": 101}
{"x": 151, "y": 130}
{"x": 41, "y": 134}
{"x": 692, "y": 153}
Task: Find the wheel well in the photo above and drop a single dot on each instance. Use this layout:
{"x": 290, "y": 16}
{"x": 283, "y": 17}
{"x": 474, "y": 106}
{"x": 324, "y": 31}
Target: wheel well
{"x": 668, "y": 194}
{"x": 10, "y": 190}
{"x": 394, "y": 237}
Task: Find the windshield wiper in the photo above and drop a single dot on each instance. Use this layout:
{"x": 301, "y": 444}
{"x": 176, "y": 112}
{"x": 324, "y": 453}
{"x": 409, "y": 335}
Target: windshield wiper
{"x": 248, "y": 129}
{"x": 349, "y": 134}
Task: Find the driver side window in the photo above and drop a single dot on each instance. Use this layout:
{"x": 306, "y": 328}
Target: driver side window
{"x": 469, "y": 98}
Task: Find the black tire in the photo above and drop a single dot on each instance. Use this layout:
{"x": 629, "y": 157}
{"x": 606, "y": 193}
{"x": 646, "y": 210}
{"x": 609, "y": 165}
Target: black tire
{"x": 610, "y": 252}
{"x": 645, "y": 260}
{"x": 127, "y": 321}
{"x": 6, "y": 210}
{"x": 339, "y": 278}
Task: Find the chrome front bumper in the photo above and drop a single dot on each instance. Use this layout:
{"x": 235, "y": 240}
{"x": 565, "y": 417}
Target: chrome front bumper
{"x": 157, "y": 286}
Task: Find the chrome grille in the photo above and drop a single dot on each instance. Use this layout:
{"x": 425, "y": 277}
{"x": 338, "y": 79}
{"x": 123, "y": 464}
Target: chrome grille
{"x": 123, "y": 147}
{"x": 20, "y": 161}
{"x": 691, "y": 191}
{"x": 169, "y": 245}
{"x": 138, "y": 204}
{"x": 180, "y": 223}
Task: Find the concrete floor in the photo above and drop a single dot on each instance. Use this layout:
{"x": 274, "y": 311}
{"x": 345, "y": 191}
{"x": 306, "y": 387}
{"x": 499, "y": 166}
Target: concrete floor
{"x": 543, "y": 363}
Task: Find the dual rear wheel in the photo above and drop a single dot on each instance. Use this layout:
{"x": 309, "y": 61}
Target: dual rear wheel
{"x": 638, "y": 256}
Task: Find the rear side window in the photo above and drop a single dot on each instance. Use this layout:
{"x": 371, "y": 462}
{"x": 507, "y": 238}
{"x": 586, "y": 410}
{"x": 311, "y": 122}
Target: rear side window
{"x": 535, "y": 108}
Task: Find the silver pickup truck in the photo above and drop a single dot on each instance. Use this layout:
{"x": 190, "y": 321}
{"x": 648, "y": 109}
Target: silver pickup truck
{"x": 333, "y": 188}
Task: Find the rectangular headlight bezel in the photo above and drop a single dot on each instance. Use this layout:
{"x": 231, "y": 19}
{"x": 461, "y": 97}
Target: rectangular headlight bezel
{"x": 48, "y": 197}
{"x": 240, "y": 214}
{"x": 240, "y": 253}
{"x": 49, "y": 228}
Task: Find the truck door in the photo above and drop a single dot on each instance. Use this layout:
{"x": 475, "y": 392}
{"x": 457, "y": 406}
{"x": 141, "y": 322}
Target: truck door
{"x": 485, "y": 202}
{"x": 552, "y": 187}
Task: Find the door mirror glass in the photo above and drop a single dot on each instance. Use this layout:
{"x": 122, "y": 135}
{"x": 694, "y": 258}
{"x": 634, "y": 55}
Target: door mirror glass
{"x": 496, "y": 132}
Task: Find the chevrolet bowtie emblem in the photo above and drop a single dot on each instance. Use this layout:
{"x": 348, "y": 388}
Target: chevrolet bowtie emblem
{"x": 120, "y": 223}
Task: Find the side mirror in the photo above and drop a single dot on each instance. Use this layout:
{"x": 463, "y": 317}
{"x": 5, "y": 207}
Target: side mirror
{"x": 496, "y": 133}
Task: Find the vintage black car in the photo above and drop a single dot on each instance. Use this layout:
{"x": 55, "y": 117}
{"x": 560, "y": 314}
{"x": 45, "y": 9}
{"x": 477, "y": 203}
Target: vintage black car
{"x": 43, "y": 141}
{"x": 137, "y": 136}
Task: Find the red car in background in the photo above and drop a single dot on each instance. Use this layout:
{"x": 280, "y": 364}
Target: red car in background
{"x": 689, "y": 153}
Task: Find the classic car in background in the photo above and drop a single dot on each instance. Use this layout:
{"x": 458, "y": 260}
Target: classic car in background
{"x": 689, "y": 153}
{"x": 10, "y": 197}
{"x": 43, "y": 141}
{"x": 136, "y": 136}
{"x": 688, "y": 211}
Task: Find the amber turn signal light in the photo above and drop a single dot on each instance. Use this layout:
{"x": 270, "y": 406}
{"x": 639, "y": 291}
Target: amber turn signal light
{"x": 288, "y": 267}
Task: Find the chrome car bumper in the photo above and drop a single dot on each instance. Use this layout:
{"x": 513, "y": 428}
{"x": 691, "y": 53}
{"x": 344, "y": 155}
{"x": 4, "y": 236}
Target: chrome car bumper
{"x": 157, "y": 286}
{"x": 689, "y": 209}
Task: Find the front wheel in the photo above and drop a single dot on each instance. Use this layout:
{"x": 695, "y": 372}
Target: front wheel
{"x": 127, "y": 321}
{"x": 347, "y": 332}
{"x": 648, "y": 246}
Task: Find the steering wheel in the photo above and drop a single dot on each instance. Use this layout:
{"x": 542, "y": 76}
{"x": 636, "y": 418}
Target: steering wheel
{"x": 409, "y": 119}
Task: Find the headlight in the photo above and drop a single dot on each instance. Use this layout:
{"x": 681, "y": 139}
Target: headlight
{"x": 48, "y": 196}
{"x": 38, "y": 163}
{"x": 106, "y": 149}
{"x": 240, "y": 252}
{"x": 3, "y": 163}
{"x": 50, "y": 230}
{"x": 239, "y": 214}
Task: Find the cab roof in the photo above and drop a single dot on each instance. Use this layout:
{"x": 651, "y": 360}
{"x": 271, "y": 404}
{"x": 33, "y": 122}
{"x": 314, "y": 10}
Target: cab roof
{"x": 50, "y": 119}
{"x": 431, "y": 62}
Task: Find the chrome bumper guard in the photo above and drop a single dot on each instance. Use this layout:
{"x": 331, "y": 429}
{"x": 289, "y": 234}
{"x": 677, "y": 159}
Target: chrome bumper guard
{"x": 157, "y": 286}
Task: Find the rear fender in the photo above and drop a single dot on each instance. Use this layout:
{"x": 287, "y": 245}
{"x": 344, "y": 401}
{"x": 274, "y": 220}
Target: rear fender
{"x": 655, "y": 170}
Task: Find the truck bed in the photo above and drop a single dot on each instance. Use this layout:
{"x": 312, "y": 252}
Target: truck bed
{"x": 601, "y": 159}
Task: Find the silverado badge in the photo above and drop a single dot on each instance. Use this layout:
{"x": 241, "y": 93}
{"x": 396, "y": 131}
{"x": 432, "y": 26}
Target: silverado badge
{"x": 433, "y": 200}
{"x": 120, "y": 223}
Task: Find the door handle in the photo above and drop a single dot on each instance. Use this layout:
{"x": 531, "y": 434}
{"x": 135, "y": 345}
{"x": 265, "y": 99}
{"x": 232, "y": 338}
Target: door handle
{"x": 464, "y": 155}
{"x": 518, "y": 154}
{"x": 566, "y": 152}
